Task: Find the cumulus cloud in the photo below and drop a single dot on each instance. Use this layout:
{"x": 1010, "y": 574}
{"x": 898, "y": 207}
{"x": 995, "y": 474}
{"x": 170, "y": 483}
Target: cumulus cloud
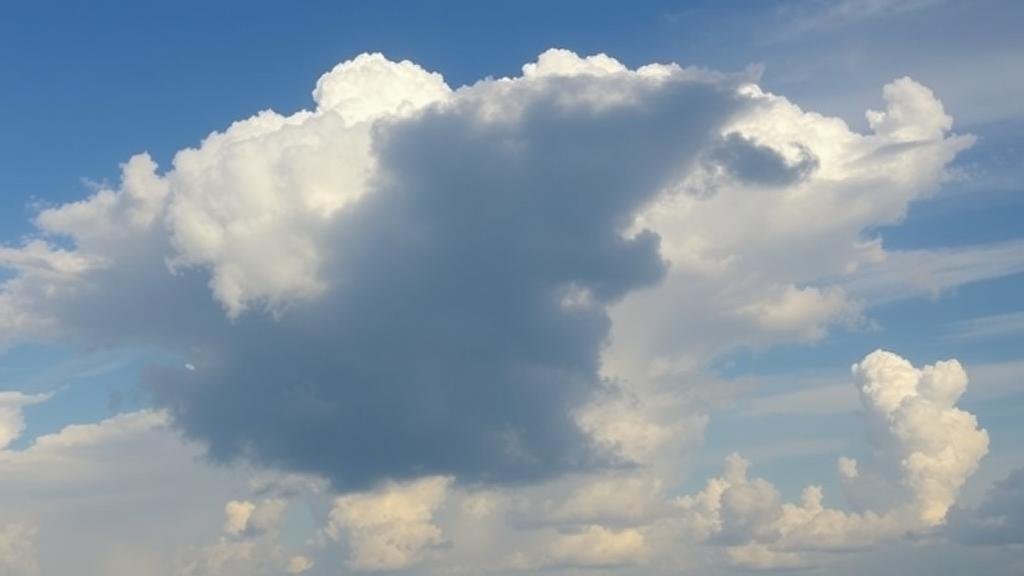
{"x": 918, "y": 431}
{"x": 245, "y": 517}
{"x": 250, "y": 544}
{"x": 252, "y": 204}
{"x": 397, "y": 289}
{"x": 506, "y": 282}
{"x": 768, "y": 236}
{"x": 913, "y": 115}
{"x": 12, "y": 421}
{"x": 127, "y": 496}
{"x": 925, "y": 448}
{"x": 597, "y": 546}
{"x": 238, "y": 514}
{"x": 390, "y": 528}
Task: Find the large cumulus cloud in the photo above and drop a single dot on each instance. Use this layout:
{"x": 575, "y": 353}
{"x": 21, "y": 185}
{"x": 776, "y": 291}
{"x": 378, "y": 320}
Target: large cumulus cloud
{"x": 451, "y": 288}
{"x": 412, "y": 284}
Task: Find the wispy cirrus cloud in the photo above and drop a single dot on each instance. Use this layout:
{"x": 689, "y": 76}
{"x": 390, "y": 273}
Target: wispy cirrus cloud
{"x": 988, "y": 327}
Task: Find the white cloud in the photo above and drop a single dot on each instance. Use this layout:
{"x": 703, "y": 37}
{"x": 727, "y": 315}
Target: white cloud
{"x": 12, "y": 421}
{"x": 907, "y": 273}
{"x": 370, "y": 86}
{"x": 250, "y": 546}
{"x": 620, "y": 499}
{"x": 560, "y": 62}
{"x": 17, "y": 551}
{"x": 390, "y": 528}
{"x": 918, "y": 430}
{"x": 805, "y": 313}
{"x": 245, "y": 517}
{"x": 238, "y": 513}
{"x": 597, "y": 546}
{"x": 925, "y": 449}
{"x": 780, "y": 256}
{"x": 758, "y": 530}
{"x": 914, "y": 114}
{"x": 252, "y": 203}
{"x": 763, "y": 211}
{"x": 127, "y": 496}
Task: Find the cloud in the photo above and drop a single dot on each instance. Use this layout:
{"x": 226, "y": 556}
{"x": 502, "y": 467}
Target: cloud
{"x": 818, "y": 17}
{"x": 245, "y": 517}
{"x": 989, "y": 327}
{"x": 608, "y": 500}
{"x": 390, "y": 528}
{"x": 806, "y": 313}
{"x": 126, "y": 496}
{"x": 597, "y": 546}
{"x": 250, "y": 544}
{"x": 918, "y": 432}
{"x": 378, "y": 285}
{"x": 253, "y": 204}
{"x": 998, "y": 520}
{"x": 238, "y": 514}
{"x": 370, "y": 86}
{"x": 747, "y": 160}
{"x": 925, "y": 449}
{"x": 17, "y": 551}
{"x": 500, "y": 283}
{"x": 12, "y": 422}
{"x": 785, "y": 254}
{"x": 914, "y": 114}
{"x": 487, "y": 315}
{"x": 906, "y": 273}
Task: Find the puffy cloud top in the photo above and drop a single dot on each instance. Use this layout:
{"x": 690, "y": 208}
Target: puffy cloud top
{"x": 370, "y": 86}
{"x": 919, "y": 431}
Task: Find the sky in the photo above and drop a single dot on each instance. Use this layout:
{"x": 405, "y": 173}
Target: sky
{"x": 450, "y": 288}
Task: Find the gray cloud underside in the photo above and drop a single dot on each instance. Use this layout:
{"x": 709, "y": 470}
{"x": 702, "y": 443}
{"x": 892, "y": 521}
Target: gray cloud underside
{"x": 443, "y": 345}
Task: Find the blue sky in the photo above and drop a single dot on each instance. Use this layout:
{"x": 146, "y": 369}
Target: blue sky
{"x": 310, "y": 344}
